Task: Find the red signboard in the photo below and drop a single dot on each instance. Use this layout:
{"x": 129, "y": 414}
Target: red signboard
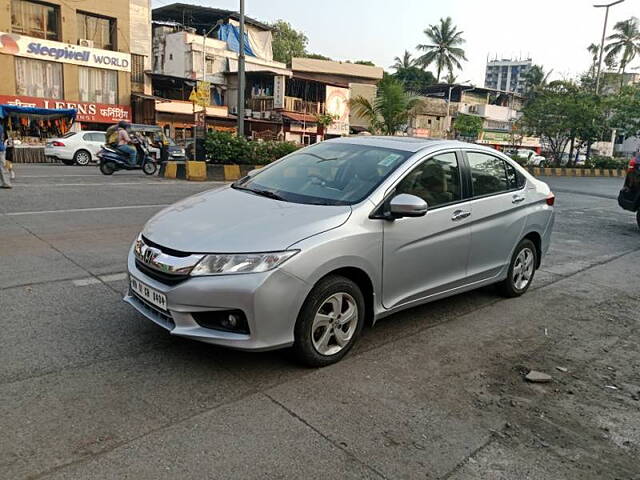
{"x": 87, "y": 112}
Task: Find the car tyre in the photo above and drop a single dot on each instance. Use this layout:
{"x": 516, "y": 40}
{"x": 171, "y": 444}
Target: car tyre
{"x": 82, "y": 158}
{"x": 522, "y": 269}
{"x": 329, "y": 322}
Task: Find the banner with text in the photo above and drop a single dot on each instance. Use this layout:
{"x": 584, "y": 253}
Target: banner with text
{"x": 338, "y": 106}
{"x": 13, "y": 44}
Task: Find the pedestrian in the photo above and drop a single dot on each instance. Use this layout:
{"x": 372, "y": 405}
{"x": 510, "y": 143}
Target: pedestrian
{"x": 5, "y": 176}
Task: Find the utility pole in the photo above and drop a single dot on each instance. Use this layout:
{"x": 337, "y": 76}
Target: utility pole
{"x": 604, "y": 33}
{"x": 241, "y": 79}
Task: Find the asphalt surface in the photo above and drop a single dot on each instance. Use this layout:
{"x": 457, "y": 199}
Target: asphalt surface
{"x": 90, "y": 389}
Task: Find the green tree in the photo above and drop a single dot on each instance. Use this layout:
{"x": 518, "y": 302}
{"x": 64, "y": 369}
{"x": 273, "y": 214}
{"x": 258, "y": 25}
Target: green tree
{"x": 403, "y": 63}
{"x": 316, "y": 56}
{"x": 594, "y": 50}
{"x": 624, "y": 45}
{"x": 414, "y": 78}
{"x": 445, "y": 47}
{"x": 468, "y": 126}
{"x": 287, "y": 42}
{"x": 391, "y": 110}
{"x": 535, "y": 79}
{"x": 625, "y": 111}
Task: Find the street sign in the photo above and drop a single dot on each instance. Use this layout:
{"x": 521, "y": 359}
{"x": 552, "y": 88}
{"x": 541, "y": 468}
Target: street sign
{"x": 201, "y": 95}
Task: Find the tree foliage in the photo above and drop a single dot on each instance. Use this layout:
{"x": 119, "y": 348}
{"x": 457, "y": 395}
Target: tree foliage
{"x": 445, "y": 48}
{"x": 625, "y": 111}
{"x": 468, "y": 126}
{"x": 414, "y": 78}
{"x": 287, "y": 42}
{"x": 227, "y": 148}
{"x": 391, "y": 110}
{"x": 624, "y": 44}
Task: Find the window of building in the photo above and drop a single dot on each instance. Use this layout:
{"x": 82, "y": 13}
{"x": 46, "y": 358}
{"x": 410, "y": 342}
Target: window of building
{"x": 437, "y": 180}
{"x": 137, "y": 72}
{"x": 35, "y": 19}
{"x": 36, "y": 78}
{"x": 98, "y": 85}
{"x": 99, "y": 30}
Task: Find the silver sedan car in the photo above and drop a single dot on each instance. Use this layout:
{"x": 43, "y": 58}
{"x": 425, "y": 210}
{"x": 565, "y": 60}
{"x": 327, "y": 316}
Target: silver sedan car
{"x": 306, "y": 251}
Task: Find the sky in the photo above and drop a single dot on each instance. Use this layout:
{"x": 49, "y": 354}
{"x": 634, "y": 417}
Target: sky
{"x": 554, "y": 33}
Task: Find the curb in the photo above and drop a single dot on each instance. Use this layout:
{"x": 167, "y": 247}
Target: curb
{"x": 576, "y": 172}
{"x": 202, "y": 171}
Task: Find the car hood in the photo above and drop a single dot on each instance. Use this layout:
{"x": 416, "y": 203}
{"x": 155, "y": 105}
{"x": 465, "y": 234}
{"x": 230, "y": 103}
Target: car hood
{"x": 228, "y": 220}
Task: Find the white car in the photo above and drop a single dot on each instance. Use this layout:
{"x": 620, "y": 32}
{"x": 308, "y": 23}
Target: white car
{"x": 531, "y": 157}
{"x": 76, "y": 147}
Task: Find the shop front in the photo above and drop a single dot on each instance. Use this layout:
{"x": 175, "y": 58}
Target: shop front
{"x": 506, "y": 140}
{"x": 90, "y": 116}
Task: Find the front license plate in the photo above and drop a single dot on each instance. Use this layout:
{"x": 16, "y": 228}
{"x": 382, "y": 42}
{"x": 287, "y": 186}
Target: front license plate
{"x": 151, "y": 295}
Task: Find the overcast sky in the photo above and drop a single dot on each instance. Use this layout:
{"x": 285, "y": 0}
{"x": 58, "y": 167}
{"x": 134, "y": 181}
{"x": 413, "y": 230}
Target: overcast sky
{"x": 555, "y": 33}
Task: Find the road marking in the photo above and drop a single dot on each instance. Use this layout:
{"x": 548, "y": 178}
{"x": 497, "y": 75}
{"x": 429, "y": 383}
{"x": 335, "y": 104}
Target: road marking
{"x": 77, "y": 210}
{"x": 85, "y": 184}
{"x": 113, "y": 277}
{"x": 53, "y": 176}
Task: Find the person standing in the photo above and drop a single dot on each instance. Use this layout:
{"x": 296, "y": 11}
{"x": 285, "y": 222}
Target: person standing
{"x": 5, "y": 176}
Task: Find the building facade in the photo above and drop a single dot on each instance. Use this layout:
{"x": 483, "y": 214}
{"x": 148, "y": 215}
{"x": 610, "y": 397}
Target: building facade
{"x": 84, "y": 54}
{"x": 507, "y": 75}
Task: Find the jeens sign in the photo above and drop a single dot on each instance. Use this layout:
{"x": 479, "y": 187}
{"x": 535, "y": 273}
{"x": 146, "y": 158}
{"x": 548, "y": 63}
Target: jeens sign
{"x": 12, "y": 44}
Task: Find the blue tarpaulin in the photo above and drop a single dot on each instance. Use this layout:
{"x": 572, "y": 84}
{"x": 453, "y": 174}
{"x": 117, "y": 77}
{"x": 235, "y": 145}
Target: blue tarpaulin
{"x": 7, "y": 110}
{"x": 231, "y": 34}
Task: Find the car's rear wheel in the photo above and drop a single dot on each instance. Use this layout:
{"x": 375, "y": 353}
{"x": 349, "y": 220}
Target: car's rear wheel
{"x": 521, "y": 270}
{"x": 82, "y": 157}
{"x": 329, "y": 322}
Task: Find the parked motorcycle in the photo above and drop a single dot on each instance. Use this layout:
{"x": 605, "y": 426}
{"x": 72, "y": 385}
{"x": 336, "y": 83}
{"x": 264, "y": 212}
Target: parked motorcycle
{"x": 112, "y": 160}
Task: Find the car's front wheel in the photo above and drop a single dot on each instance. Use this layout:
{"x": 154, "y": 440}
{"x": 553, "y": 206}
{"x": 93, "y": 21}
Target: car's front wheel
{"x": 521, "y": 270}
{"x": 329, "y": 322}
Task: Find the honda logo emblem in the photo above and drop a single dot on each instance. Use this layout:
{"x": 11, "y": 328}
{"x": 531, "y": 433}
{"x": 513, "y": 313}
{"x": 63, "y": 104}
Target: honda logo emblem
{"x": 149, "y": 255}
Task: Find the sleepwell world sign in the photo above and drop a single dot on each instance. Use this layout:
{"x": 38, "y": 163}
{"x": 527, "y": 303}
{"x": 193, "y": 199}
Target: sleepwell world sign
{"x": 12, "y": 44}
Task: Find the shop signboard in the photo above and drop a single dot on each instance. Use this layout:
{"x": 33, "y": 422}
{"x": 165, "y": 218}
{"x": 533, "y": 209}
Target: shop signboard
{"x": 87, "y": 111}
{"x": 278, "y": 91}
{"x": 13, "y": 44}
{"x": 337, "y": 104}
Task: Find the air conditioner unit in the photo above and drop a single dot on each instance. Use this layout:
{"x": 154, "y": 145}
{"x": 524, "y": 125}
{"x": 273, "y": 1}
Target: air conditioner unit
{"x": 83, "y": 42}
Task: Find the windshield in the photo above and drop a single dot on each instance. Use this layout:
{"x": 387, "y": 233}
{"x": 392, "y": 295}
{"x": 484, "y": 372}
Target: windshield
{"x": 326, "y": 174}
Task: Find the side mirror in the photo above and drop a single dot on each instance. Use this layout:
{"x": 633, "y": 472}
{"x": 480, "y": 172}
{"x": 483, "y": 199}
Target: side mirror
{"x": 406, "y": 205}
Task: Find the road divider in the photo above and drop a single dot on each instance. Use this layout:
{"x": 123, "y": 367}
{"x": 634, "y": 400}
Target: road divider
{"x": 202, "y": 171}
{"x": 576, "y": 172}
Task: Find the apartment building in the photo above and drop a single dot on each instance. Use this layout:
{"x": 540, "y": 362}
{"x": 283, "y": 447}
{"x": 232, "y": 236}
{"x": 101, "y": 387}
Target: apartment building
{"x": 84, "y": 54}
{"x": 507, "y": 74}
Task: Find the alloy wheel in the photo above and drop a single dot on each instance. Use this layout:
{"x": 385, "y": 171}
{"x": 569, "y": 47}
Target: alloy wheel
{"x": 334, "y": 324}
{"x": 83, "y": 158}
{"x": 523, "y": 269}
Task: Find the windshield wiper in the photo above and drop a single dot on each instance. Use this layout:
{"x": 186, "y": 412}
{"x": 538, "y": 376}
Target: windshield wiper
{"x": 263, "y": 193}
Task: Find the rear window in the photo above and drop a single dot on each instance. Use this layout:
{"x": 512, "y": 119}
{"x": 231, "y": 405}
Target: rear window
{"x": 69, "y": 134}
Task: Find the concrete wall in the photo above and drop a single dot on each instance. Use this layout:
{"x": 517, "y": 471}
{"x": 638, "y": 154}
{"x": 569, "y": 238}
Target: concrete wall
{"x": 361, "y": 90}
{"x": 118, "y": 9}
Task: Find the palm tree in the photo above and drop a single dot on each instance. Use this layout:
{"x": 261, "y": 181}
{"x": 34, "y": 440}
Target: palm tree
{"x": 390, "y": 110}
{"x": 444, "y": 48}
{"x": 403, "y": 63}
{"x": 625, "y": 43}
{"x": 450, "y": 78}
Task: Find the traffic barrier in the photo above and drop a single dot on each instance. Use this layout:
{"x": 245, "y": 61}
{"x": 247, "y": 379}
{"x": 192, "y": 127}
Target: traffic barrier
{"x": 575, "y": 172}
{"x": 196, "y": 171}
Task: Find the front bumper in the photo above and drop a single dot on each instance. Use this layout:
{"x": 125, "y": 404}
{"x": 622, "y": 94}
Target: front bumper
{"x": 270, "y": 300}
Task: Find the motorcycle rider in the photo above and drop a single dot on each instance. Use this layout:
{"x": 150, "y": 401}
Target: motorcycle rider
{"x": 124, "y": 143}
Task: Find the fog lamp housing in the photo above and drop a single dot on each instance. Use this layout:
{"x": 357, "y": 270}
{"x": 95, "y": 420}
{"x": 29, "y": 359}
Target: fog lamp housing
{"x": 234, "y": 321}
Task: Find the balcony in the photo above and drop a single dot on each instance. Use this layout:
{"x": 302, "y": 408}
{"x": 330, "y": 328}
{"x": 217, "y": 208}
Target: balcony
{"x": 293, "y": 104}
{"x": 260, "y": 104}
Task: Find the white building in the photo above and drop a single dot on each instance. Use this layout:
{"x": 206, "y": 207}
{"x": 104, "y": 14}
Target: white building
{"x": 507, "y": 74}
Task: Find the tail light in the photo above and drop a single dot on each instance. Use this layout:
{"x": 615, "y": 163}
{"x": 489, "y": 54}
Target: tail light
{"x": 551, "y": 199}
{"x": 57, "y": 144}
{"x": 632, "y": 165}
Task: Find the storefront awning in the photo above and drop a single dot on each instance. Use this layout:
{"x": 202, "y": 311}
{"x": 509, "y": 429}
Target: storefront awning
{"x": 49, "y": 113}
{"x": 300, "y": 117}
{"x": 258, "y": 67}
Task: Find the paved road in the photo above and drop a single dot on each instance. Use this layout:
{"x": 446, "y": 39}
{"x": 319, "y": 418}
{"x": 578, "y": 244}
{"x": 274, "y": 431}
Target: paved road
{"x": 89, "y": 389}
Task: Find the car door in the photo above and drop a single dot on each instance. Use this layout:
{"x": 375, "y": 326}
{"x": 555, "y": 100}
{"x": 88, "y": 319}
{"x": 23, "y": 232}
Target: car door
{"x": 96, "y": 141}
{"x": 499, "y": 216}
{"x": 427, "y": 255}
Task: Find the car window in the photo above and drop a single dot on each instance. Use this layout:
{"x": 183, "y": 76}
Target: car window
{"x": 436, "y": 180}
{"x": 68, "y": 134}
{"x": 488, "y": 174}
{"x": 98, "y": 137}
{"x": 328, "y": 173}
{"x": 514, "y": 178}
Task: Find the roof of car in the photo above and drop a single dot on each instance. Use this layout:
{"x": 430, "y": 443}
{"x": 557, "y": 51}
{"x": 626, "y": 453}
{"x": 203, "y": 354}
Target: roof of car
{"x": 409, "y": 144}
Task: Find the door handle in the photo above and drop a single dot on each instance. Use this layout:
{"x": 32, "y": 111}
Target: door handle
{"x": 459, "y": 215}
{"x": 517, "y": 199}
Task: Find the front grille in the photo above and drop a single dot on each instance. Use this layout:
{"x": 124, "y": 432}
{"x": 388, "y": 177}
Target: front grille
{"x": 164, "y": 278}
{"x": 167, "y": 250}
{"x": 161, "y": 316}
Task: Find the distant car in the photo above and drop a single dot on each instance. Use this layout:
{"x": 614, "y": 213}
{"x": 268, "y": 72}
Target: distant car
{"x": 530, "y": 157}
{"x": 75, "y": 148}
{"x": 577, "y": 160}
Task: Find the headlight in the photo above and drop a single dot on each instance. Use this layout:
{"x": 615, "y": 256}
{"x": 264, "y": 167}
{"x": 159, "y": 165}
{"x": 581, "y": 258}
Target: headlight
{"x": 230, "y": 263}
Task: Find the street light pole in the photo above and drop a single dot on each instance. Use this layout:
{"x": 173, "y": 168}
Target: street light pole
{"x": 604, "y": 33}
{"x": 241, "y": 79}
